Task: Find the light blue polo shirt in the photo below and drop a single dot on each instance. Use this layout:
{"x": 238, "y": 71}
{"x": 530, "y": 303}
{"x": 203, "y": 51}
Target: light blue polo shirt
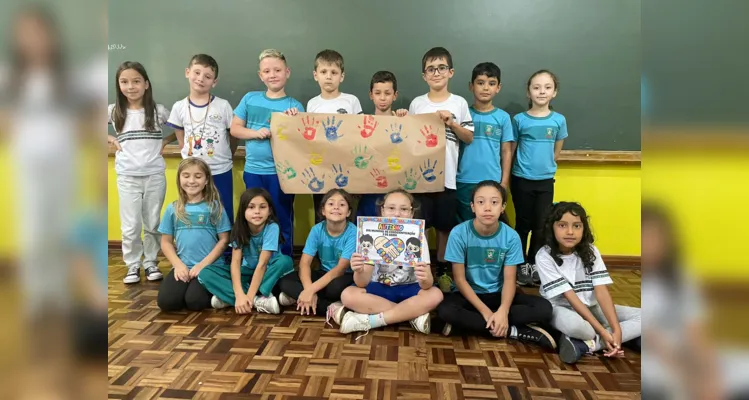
{"x": 255, "y": 109}
{"x": 267, "y": 240}
{"x": 194, "y": 241}
{"x": 484, "y": 257}
{"x": 481, "y": 160}
{"x": 330, "y": 249}
{"x": 536, "y": 138}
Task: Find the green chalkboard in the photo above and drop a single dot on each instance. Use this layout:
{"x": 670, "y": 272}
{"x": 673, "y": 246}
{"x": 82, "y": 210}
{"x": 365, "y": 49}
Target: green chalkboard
{"x": 593, "y": 46}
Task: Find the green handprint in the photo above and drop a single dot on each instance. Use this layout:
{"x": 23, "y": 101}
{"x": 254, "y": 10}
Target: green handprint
{"x": 412, "y": 179}
{"x": 286, "y": 169}
{"x": 362, "y": 157}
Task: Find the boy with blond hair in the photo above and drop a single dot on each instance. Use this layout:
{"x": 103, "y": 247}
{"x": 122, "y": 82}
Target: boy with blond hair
{"x": 251, "y": 123}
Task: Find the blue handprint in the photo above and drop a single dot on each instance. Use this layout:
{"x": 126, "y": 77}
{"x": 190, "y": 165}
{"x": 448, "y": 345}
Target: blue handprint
{"x": 395, "y": 133}
{"x": 310, "y": 179}
{"x": 427, "y": 171}
{"x": 331, "y": 129}
{"x": 341, "y": 179}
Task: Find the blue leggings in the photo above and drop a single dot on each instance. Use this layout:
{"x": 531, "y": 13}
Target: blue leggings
{"x": 283, "y": 203}
{"x": 225, "y": 188}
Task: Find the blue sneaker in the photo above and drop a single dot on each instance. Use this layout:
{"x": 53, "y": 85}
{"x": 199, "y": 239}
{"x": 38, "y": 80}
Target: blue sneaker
{"x": 571, "y": 350}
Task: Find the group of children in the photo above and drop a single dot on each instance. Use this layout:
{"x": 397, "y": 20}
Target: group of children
{"x": 486, "y": 151}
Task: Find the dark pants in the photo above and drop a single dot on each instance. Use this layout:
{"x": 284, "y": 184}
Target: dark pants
{"x": 282, "y": 202}
{"x": 316, "y": 200}
{"x": 176, "y": 295}
{"x": 532, "y": 200}
{"x": 225, "y": 187}
{"x": 291, "y": 284}
{"x": 465, "y": 319}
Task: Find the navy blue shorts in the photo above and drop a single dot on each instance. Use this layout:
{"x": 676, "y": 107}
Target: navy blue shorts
{"x": 396, "y": 293}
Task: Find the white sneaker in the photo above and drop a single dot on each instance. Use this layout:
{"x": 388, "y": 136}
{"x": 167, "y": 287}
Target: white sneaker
{"x": 267, "y": 305}
{"x": 285, "y": 300}
{"x": 218, "y": 303}
{"x": 447, "y": 330}
{"x": 133, "y": 274}
{"x": 336, "y": 311}
{"x": 153, "y": 273}
{"x": 421, "y": 323}
{"x": 355, "y": 322}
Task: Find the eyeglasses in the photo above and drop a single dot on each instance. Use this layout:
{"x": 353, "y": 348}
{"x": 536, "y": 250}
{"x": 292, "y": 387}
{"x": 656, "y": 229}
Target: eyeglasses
{"x": 393, "y": 209}
{"x": 441, "y": 68}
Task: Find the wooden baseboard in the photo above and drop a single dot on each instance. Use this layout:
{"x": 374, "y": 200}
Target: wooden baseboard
{"x": 618, "y": 262}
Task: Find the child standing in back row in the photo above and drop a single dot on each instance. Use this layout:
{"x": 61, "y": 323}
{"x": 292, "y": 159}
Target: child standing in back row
{"x": 539, "y": 133}
{"x": 141, "y": 182}
{"x": 438, "y": 208}
{"x": 329, "y": 74}
{"x": 201, "y": 121}
{"x": 251, "y": 123}
{"x": 383, "y": 91}
{"x": 574, "y": 279}
{"x": 489, "y": 156}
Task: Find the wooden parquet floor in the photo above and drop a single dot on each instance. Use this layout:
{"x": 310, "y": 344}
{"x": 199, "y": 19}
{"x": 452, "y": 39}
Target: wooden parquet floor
{"x": 216, "y": 354}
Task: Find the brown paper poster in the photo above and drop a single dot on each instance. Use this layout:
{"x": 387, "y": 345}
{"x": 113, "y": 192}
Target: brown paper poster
{"x": 359, "y": 153}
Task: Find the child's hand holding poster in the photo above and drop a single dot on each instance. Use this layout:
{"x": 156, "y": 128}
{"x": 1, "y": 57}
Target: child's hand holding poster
{"x": 393, "y": 241}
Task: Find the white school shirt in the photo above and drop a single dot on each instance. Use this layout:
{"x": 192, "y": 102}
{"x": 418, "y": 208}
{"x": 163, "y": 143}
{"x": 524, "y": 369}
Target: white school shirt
{"x": 207, "y": 139}
{"x": 141, "y": 148}
{"x": 555, "y": 280}
{"x": 459, "y": 109}
{"x": 343, "y": 104}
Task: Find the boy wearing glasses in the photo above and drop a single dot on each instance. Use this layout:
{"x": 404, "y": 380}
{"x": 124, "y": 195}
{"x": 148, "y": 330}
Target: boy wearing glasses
{"x": 439, "y": 208}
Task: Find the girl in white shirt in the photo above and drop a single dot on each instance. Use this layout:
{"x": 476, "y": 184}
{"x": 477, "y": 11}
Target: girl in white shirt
{"x": 141, "y": 182}
{"x": 574, "y": 279}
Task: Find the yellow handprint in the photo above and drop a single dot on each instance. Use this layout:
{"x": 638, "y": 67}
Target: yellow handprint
{"x": 281, "y": 132}
{"x": 394, "y": 161}
{"x": 315, "y": 158}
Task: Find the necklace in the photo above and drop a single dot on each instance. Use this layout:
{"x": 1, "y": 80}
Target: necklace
{"x": 193, "y": 139}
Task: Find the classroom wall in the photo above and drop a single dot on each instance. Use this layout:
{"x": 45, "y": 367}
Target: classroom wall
{"x": 610, "y": 194}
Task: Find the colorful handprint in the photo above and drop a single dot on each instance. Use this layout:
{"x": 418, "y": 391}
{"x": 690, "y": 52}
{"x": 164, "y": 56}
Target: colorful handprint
{"x": 309, "y": 131}
{"x": 310, "y": 179}
{"x": 411, "y": 179}
{"x": 394, "y": 161}
{"x": 281, "y": 132}
{"x": 427, "y": 170}
{"x": 286, "y": 170}
{"x": 315, "y": 158}
{"x": 380, "y": 180}
{"x": 341, "y": 176}
{"x": 331, "y": 129}
{"x": 362, "y": 158}
{"x": 370, "y": 124}
{"x": 395, "y": 133}
{"x": 430, "y": 138}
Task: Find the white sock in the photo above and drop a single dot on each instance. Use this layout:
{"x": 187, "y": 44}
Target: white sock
{"x": 376, "y": 320}
{"x": 513, "y": 332}
{"x": 594, "y": 344}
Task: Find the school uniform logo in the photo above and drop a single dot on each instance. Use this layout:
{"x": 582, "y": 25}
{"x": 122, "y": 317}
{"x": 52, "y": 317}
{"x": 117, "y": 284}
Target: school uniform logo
{"x": 342, "y": 111}
{"x": 201, "y": 219}
{"x": 489, "y": 130}
{"x": 549, "y": 133}
{"x": 215, "y": 117}
{"x": 493, "y": 256}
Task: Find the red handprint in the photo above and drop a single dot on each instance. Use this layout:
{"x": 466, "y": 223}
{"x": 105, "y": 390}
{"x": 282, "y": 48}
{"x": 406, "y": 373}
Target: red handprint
{"x": 309, "y": 128}
{"x": 380, "y": 180}
{"x": 431, "y": 138}
{"x": 369, "y": 126}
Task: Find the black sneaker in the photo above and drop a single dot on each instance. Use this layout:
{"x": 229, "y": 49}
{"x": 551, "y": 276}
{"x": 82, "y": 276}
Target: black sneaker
{"x": 535, "y": 335}
{"x": 571, "y": 350}
{"x": 634, "y": 344}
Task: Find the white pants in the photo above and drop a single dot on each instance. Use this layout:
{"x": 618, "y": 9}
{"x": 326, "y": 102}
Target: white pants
{"x": 569, "y": 322}
{"x": 141, "y": 200}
